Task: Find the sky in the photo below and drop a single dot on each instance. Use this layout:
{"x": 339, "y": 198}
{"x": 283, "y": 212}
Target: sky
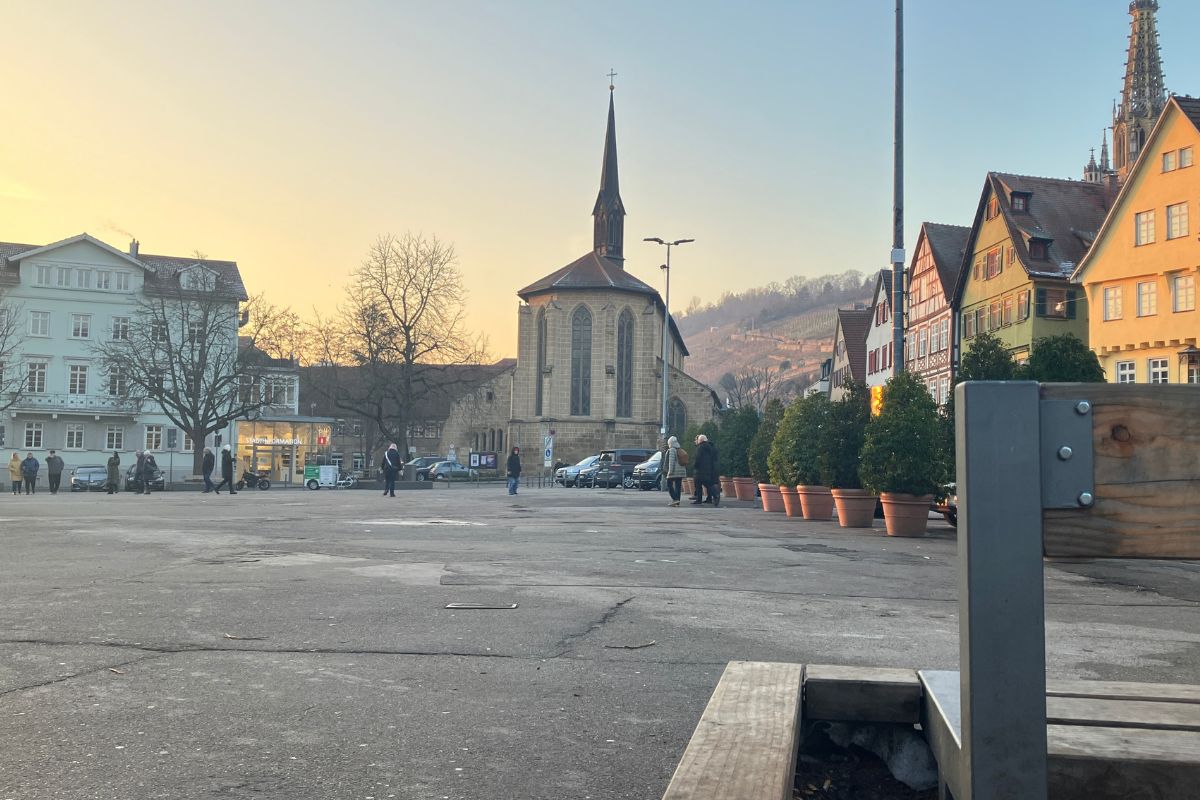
{"x": 287, "y": 135}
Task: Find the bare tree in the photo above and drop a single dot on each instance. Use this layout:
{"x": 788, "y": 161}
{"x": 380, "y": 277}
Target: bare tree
{"x": 392, "y": 344}
{"x": 751, "y": 387}
{"x": 13, "y": 375}
{"x": 181, "y": 351}
{"x": 276, "y": 331}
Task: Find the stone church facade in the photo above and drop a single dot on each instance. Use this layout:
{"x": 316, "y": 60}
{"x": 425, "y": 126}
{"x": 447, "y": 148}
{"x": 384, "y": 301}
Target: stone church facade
{"x": 589, "y": 357}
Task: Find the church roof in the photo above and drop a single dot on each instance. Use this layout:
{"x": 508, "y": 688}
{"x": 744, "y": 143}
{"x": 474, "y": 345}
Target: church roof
{"x": 590, "y": 271}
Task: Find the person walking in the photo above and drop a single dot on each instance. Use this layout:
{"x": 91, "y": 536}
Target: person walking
{"x": 207, "y": 465}
{"x": 14, "y": 473}
{"x": 114, "y": 473}
{"x": 29, "y": 471}
{"x": 54, "y": 470}
{"x": 391, "y": 469}
{"x": 705, "y": 473}
{"x": 226, "y": 471}
{"x": 148, "y": 469}
{"x": 513, "y": 470}
{"x": 673, "y": 470}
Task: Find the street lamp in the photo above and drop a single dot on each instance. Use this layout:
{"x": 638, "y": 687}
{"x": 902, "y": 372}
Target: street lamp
{"x": 666, "y": 322}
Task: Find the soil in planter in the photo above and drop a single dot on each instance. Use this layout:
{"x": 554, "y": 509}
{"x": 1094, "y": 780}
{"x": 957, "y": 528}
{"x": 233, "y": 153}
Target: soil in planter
{"x": 825, "y": 771}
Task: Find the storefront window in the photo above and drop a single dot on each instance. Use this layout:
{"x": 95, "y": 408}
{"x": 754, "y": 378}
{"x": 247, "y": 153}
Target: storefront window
{"x": 280, "y": 448}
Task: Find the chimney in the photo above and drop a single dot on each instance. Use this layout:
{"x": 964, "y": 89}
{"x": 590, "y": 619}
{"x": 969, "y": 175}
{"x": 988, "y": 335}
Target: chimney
{"x": 133, "y": 247}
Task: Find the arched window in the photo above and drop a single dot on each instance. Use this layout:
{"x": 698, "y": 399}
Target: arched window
{"x": 475, "y": 447}
{"x": 625, "y": 364}
{"x": 581, "y": 362}
{"x": 676, "y": 417}
{"x": 500, "y": 440}
{"x": 541, "y": 360}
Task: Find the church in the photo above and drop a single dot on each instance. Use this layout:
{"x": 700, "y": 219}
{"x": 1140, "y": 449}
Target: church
{"x": 589, "y": 357}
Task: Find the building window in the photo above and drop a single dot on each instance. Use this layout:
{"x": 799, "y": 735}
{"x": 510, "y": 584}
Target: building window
{"x": 993, "y": 207}
{"x": 39, "y": 323}
{"x": 994, "y": 316}
{"x": 81, "y": 326}
{"x": 676, "y": 417}
{"x": 120, "y": 329}
{"x": 969, "y": 325}
{"x": 1056, "y": 303}
{"x": 1039, "y": 249}
{"x": 358, "y": 462}
{"x": 118, "y": 381}
{"x": 195, "y": 332}
{"x": 77, "y": 379}
{"x": 1023, "y": 305}
{"x": 337, "y": 459}
{"x": 1147, "y": 297}
{"x": 581, "y": 362}
{"x": 104, "y": 280}
{"x": 992, "y": 261}
{"x": 1020, "y": 201}
{"x": 74, "y": 436}
{"x": 159, "y": 332}
{"x": 83, "y": 279}
{"x": 1113, "y": 302}
{"x": 122, "y": 281}
{"x": 188, "y": 444}
{"x": 41, "y": 275}
{"x": 154, "y": 437}
{"x": 1006, "y": 316}
{"x": 36, "y": 382}
{"x": 981, "y": 319}
{"x": 625, "y": 364}
{"x": 1185, "y": 293}
{"x": 1126, "y": 372}
{"x": 1170, "y": 161}
{"x": 114, "y": 437}
{"x": 1177, "y": 220}
{"x": 33, "y": 435}
{"x": 1185, "y": 157}
{"x": 1143, "y": 223}
{"x": 1158, "y": 370}
{"x": 539, "y": 397}
{"x": 64, "y": 277}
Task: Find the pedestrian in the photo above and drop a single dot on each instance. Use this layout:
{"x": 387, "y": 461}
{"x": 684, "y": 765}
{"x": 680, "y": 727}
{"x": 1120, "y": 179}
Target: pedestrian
{"x": 29, "y": 471}
{"x": 226, "y": 471}
{"x": 207, "y": 465}
{"x": 14, "y": 473}
{"x": 704, "y": 472}
{"x": 513, "y": 470}
{"x": 114, "y": 473}
{"x": 673, "y": 470}
{"x": 149, "y": 470}
{"x": 391, "y": 469}
{"x": 139, "y": 463}
{"x": 54, "y": 469}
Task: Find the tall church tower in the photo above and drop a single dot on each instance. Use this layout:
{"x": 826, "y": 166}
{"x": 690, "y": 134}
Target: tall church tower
{"x": 1144, "y": 95}
{"x": 609, "y": 212}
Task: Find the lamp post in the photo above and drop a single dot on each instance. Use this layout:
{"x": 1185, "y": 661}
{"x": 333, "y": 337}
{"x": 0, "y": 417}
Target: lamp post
{"x": 666, "y": 327}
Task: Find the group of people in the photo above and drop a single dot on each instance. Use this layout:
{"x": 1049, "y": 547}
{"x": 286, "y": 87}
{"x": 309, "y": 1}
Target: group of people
{"x": 392, "y": 464}
{"x": 704, "y": 472}
{"x": 24, "y": 472}
{"x": 209, "y": 463}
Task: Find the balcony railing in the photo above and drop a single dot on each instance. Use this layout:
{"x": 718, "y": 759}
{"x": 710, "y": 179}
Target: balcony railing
{"x": 83, "y": 403}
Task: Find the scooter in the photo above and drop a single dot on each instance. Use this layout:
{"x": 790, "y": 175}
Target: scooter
{"x": 253, "y": 479}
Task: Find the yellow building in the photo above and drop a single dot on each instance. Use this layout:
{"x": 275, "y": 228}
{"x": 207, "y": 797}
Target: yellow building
{"x": 1140, "y": 275}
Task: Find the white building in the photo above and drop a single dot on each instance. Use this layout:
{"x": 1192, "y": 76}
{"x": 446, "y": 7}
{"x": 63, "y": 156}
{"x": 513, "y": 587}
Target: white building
{"x": 67, "y": 299}
{"x": 880, "y": 342}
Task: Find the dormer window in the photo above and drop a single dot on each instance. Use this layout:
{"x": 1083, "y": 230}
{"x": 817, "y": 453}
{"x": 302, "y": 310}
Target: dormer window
{"x": 1020, "y": 201}
{"x": 197, "y": 279}
{"x": 1039, "y": 249}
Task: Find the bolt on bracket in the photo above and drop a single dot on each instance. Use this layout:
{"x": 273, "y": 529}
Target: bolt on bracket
{"x": 1068, "y": 479}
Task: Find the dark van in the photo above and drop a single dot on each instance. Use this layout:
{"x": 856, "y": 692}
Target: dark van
{"x": 615, "y": 467}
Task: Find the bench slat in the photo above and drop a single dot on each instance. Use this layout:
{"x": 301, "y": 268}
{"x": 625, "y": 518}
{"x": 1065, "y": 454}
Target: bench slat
{"x": 1127, "y": 763}
{"x": 861, "y": 694}
{"x": 1124, "y": 690}
{"x": 744, "y": 747}
{"x": 1123, "y": 713}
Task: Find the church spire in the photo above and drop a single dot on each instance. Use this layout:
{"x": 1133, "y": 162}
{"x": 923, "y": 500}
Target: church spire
{"x": 609, "y": 212}
{"x": 1105, "y": 167}
{"x": 1144, "y": 94}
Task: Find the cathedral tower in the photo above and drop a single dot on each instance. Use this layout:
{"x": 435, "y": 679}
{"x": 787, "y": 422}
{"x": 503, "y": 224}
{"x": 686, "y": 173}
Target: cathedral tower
{"x": 1144, "y": 95}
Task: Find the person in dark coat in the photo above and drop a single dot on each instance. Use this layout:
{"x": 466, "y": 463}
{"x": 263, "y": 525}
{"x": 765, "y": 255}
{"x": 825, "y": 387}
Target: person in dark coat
{"x": 226, "y": 471}
{"x": 29, "y": 471}
{"x": 513, "y": 470}
{"x": 54, "y": 470}
{"x": 114, "y": 473}
{"x": 391, "y": 469}
{"x": 146, "y": 471}
{"x": 207, "y": 465}
{"x": 705, "y": 472}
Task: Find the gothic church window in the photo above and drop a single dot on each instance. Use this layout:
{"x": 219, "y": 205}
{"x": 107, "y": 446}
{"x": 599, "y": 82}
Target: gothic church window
{"x": 676, "y": 417}
{"x": 541, "y": 361}
{"x": 581, "y": 362}
{"x": 625, "y": 364}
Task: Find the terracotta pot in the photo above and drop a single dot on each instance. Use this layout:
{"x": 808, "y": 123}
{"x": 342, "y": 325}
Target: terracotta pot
{"x": 906, "y": 514}
{"x": 855, "y": 507}
{"x": 791, "y": 501}
{"x": 744, "y": 488}
{"x": 686, "y": 487}
{"x": 817, "y": 502}
{"x": 727, "y": 486}
{"x": 771, "y": 499}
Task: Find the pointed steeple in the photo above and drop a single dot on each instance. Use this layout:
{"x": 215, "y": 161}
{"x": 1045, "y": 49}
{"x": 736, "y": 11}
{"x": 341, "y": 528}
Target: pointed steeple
{"x": 609, "y": 212}
{"x": 1105, "y": 167}
{"x": 1144, "y": 94}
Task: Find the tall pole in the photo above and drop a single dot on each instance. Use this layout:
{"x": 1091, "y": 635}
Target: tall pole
{"x": 898, "y": 203}
{"x": 666, "y": 340}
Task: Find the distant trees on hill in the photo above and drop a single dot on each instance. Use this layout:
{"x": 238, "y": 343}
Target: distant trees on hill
{"x": 760, "y": 306}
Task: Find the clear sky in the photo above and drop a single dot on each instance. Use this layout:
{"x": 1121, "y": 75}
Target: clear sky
{"x": 288, "y": 134}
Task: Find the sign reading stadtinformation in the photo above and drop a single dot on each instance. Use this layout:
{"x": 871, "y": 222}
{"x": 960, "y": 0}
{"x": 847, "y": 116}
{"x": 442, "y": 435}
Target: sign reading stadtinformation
{"x": 272, "y": 440}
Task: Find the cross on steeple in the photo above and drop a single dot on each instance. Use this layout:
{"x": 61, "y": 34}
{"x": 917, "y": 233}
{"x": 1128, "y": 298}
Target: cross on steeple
{"x": 611, "y": 75}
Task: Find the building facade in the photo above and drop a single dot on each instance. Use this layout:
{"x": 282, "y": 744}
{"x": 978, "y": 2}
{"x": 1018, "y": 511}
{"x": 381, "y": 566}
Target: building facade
{"x": 849, "y": 349}
{"x": 1140, "y": 276}
{"x": 880, "y": 336}
{"x": 931, "y": 340}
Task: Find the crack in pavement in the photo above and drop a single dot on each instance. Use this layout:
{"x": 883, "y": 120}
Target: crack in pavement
{"x": 565, "y": 643}
{"x": 73, "y": 676}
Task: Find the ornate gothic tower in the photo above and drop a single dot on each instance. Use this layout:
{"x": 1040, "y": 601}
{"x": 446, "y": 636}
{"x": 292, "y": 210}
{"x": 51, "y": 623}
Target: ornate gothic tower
{"x": 1144, "y": 95}
{"x": 609, "y": 212}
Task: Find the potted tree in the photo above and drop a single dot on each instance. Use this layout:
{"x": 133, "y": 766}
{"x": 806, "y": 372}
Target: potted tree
{"x": 733, "y": 445}
{"x": 795, "y": 450}
{"x": 902, "y": 457}
{"x": 760, "y": 449}
{"x": 841, "y": 446}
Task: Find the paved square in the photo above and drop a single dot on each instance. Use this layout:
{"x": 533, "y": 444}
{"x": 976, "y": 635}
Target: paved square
{"x": 295, "y": 644}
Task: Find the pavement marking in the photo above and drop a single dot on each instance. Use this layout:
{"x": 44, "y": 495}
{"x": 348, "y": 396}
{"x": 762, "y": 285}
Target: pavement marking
{"x": 419, "y": 522}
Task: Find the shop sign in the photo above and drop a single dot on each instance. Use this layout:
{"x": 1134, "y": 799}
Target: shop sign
{"x": 272, "y": 440}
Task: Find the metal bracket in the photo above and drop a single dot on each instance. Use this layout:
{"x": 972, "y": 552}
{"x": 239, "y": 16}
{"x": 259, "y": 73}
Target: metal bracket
{"x": 1067, "y": 456}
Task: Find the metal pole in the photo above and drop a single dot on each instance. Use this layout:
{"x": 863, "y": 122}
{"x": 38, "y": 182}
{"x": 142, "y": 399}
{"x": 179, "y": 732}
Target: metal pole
{"x": 898, "y": 204}
{"x": 666, "y": 340}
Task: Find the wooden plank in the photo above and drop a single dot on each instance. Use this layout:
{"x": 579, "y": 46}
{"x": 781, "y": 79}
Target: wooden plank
{"x": 1124, "y": 690}
{"x": 744, "y": 747}
{"x": 861, "y": 694}
{"x": 1123, "y": 713}
{"x": 1147, "y": 475}
{"x": 1089, "y": 763}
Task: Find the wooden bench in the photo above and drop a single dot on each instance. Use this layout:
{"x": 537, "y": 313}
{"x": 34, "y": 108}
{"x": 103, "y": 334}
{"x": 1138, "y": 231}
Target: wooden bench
{"x": 1073, "y": 470}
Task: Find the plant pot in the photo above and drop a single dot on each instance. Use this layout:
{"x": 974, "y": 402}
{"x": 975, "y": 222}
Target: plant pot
{"x": 771, "y": 499}
{"x": 791, "y": 501}
{"x": 686, "y": 487}
{"x": 744, "y": 488}
{"x": 727, "y": 486}
{"x": 817, "y": 502}
{"x": 855, "y": 507}
{"x": 906, "y": 514}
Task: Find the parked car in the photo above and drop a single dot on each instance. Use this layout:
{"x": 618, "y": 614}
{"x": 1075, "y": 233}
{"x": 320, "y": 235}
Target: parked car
{"x": 946, "y": 503}
{"x": 451, "y": 470}
{"x": 89, "y": 479}
{"x": 586, "y": 478}
{"x": 648, "y": 474}
{"x": 423, "y": 464}
{"x": 615, "y": 467}
{"x": 569, "y": 475}
{"x": 133, "y": 483}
